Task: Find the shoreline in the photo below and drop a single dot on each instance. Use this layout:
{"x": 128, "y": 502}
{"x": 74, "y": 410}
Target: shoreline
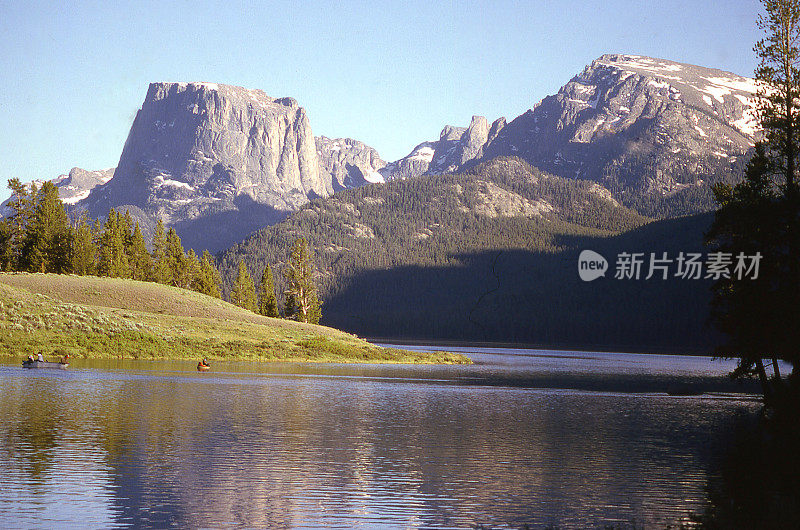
{"x": 402, "y": 342}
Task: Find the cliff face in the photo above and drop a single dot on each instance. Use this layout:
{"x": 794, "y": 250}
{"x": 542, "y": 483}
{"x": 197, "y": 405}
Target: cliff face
{"x": 348, "y": 163}
{"x": 650, "y": 130}
{"x": 200, "y": 148}
{"x": 215, "y": 161}
{"x": 637, "y": 124}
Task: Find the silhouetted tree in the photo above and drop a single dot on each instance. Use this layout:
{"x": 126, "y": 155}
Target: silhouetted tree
{"x": 761, "y": 215}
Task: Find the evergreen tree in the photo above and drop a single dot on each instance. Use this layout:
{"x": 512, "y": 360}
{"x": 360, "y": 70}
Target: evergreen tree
{"x": 83, "y": 250}
{"x": 22, "y": 202}
{"x": 301, "y": 288}
{"x": 139, "y": 259}
{"x": 176, "y": 260}
{"x": 113, "y": 256}
{"x": 289, "y": 306}
{"x": 243, "y": 293}
{"x": 161, "y": 270}
{"x": 6, "y": 252}
{"x": 267, "y": 303}
{"x": 779, "y": 89}
{"x": 47, "y": 238}
{"x": 761, "y": 317}
{"x": 191, "y": 269}
{"x": 207, "y": 279}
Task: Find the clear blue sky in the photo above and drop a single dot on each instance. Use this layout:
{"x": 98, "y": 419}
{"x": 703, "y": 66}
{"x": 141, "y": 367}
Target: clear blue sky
{"x": 388, "y": 73}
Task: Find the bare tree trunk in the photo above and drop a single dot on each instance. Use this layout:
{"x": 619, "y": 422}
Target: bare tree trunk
{"x": 775, "y": 369}
{"x": 765, "y": 387}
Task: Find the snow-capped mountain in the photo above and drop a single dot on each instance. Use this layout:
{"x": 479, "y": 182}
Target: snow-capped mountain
{"x": 638, "y": 125}
{"x": 218, "y": 161}
{"x": 72, "y": 187}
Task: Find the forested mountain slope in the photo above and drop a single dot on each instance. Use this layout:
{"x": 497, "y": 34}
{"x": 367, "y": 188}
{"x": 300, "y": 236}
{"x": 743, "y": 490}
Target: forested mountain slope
{"x": 489, "y": 255}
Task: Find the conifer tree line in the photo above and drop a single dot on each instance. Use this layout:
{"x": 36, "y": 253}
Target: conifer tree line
{"x": 38, "y": 236}
{"x": 301, "y": 297}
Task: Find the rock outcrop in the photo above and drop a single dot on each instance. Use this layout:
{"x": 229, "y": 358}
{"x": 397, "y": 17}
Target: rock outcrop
{"x": 645, "y": 128}
{"x": 348, "y": 163}
{"x": 215, "y": 161}
{"x": 72, "y": 187}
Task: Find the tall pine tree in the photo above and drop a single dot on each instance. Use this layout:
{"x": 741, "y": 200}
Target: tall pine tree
{"x": 243, "y": 293}
{"x": 267, "y": 303}
{"x": 176, "y": 260}
{"x": 303, "y": 303}
{"x": 113, "y": 244}
{"x": 83, "y": 253}
{"x": 161, "y": 271}
{"x": 761, "y": 316}
{"x": 208, "y": 279}
{"x": 47, "y": 237}
{"x": 22, "y": 202}
{"x": 139, "y": 259}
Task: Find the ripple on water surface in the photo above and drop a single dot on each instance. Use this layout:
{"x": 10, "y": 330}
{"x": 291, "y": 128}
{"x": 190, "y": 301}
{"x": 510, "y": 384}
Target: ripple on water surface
{"x": 341, "y": 446}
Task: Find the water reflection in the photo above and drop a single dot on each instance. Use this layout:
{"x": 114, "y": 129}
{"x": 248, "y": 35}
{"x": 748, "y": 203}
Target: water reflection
{"x": 339, "y": 446}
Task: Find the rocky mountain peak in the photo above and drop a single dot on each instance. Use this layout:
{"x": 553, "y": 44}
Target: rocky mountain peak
{"x": 204, "y": 149}
{"x": 349, "y": 162}
{"x": 641, "y": 126}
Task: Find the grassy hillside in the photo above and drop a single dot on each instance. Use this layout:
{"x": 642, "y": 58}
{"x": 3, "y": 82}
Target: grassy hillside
{"x": 90, "y": 317}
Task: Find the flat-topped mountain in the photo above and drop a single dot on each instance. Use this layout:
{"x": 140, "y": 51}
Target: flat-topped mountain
{"x": 218, "y": 162}
{"x": 201, "y": 149}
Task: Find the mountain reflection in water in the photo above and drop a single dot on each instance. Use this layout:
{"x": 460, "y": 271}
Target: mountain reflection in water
{"x": 510, "y": 441}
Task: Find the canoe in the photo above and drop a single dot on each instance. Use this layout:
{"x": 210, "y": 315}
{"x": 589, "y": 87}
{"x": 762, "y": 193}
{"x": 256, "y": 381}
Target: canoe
{"x": 203, "y": 368}
{"x": 44, "y": 364}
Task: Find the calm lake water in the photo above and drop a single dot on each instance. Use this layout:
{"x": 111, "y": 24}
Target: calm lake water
{"x": 571, "y": 439}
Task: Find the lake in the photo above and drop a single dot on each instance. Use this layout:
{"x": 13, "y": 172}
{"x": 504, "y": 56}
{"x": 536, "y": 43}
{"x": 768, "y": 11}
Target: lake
{"x": 569, "y": 439}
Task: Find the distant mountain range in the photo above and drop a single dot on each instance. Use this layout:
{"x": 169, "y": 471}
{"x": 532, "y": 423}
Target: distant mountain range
{"x": 218, "y": 162}
{"x": 653, "y": 132}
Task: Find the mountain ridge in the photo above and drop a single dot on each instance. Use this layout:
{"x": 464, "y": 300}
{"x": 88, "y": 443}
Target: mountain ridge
{"x": 218, "y": 161}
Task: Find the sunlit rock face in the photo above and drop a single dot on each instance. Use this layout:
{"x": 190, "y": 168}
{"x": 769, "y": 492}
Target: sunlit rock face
{"x": 637, "y": 125}
{"x": 348, "y": 162}
{"x": 198, "y": 149}
{"x": 636, "y": 122}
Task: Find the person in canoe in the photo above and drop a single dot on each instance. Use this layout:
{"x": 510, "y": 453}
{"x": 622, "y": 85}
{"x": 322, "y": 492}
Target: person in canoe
{"x": 40, "y": 357}
{"x": 203, "y": 365}
{"x": 64, "y": 359}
